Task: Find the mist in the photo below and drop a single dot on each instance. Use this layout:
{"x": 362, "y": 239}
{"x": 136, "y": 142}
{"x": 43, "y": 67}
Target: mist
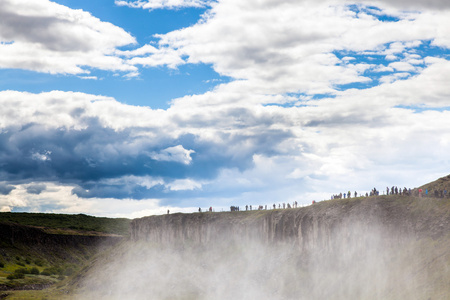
{"x": 351, "y": 260}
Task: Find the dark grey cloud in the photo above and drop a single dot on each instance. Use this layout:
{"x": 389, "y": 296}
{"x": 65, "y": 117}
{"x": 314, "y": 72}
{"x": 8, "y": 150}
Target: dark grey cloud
{"x": 90, "y": 158}
{"x": 35, "y": 152}
{"x": 36, "y": 188}
{"x": 5, "y": 189}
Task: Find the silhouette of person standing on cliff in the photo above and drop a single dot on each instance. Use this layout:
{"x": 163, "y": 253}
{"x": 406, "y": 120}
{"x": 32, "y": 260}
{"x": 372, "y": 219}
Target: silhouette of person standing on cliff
{"x": 199, "y": 210}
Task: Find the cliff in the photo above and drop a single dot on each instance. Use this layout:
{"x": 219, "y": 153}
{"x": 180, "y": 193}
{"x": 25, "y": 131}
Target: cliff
{"x": 396, "y": 218}
{"x": 386, "y": 247}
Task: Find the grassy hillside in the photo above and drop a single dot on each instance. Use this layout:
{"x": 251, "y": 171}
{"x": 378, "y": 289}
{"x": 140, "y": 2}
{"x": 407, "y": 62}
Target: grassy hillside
{"x": 78, "y": 222}
{"x": 38, "y": 251}
{"x": 441, "y": 184}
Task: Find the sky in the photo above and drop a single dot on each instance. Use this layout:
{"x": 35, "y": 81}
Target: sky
{"x": 130, "y": 108}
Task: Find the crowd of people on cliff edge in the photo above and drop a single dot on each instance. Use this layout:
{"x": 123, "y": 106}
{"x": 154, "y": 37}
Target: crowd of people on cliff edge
{"x": 437, "y": 193}
{"x": 394, "y": 190}
{"x": 260, "y": 207}
{"x": 264, "y": 207}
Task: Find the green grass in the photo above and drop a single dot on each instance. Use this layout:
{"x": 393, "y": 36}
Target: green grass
{"x": 63, "y": 222}
{"x": 60, "y": 261}
{"x": 47, "y": 294}
{"x": 58, "y": 275}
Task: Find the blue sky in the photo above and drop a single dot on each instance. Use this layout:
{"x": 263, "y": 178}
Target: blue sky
{"x": 154, "y": 87}
{"x": 130, "y": 108}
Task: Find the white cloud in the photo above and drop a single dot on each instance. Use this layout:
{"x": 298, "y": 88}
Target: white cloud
{"x": 162, "y": 56}
{"x": 59, "y": 198}
{"x": 382, "y": 68}
{"x": 402, "y": 66}
{"x": 248, "y": 147}
{"x": 146, "y": 49}
{"x": 184, "y": 185}
{"x": 413, "y": 4}
{"x": 295, "y": 55}
{"x": 391, "y": 57}
{"x": 159, "y": 4}
{"x": 88, "y": 77}
{"x": 176, "y": 154}
{"x": 330, "y": 145}
{"x": 5, "y": 209}
{"x": 47, "y": 37}
{"x": 45, "y": 156}
{"x": 394, "y": 77}
{"x": 414, "y": 61}
{"x": 71, "y": 110}
{"x": 131, "y": 180}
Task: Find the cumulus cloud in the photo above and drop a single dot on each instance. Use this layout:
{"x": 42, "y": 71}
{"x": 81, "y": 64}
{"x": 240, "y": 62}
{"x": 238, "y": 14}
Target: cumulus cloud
{"x": 176, "y": 154}
{"x": 184, "y": 184}
{"x": 36, "y": 188}
{"x": 150, "y": 56}
{"x": 41, "y": 156}
{"x": 47, "y": 37}
{"x": 158, "y": 4}
{"x": 283, "y": 129}
{"x": 5, "y": 189}
{"x": 298, "y": 53}
{"x": 5, "y": 209}
{"x": 394, "y": 77}
{"x": 414, "y": 4}
{"x": 402, "y": 66}
{"x": 58, "y": 198}
{"x": 102, "y": 149}
{"x": 102, "y": 146}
